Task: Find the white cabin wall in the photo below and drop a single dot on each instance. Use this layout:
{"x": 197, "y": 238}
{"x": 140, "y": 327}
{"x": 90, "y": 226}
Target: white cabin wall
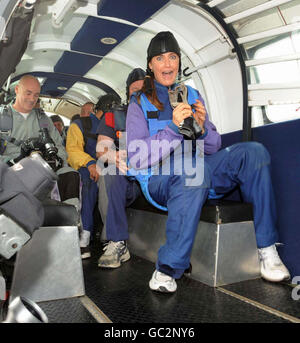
{"x": 227, "y": 85}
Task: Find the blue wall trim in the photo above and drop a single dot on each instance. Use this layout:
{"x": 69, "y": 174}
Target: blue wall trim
{"x": 283, "y": 143}
{"x": 74, "y": 63}
{"x": 135, "y": 11}
{"x": 88, "y": 38}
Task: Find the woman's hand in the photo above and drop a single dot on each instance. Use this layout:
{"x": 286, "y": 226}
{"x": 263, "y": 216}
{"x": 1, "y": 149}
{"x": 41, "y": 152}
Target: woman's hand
{"x": 200, "y": 113}
{"x": 181, "y": 112}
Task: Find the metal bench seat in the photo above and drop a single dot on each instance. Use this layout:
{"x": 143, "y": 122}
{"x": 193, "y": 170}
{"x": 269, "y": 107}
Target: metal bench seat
{"x": 224, "y": 250}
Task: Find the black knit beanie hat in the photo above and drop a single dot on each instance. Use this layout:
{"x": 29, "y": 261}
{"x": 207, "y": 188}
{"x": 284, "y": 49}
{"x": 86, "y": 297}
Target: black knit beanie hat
{"x": 161, "y": 43}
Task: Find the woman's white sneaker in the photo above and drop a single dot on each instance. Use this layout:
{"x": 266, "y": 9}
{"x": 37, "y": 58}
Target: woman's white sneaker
{"x": 271, "y": 266}
{"x": 162, "y": 283}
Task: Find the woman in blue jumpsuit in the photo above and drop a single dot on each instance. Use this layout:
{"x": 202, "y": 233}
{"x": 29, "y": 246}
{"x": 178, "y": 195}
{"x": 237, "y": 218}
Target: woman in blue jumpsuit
{"x": 154, "y": 117}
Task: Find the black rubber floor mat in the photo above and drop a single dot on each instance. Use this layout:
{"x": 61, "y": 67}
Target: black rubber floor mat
{"x": 66, "y": 311}
{"x": 275, "y": 295}
{"x": 124, "y": 296}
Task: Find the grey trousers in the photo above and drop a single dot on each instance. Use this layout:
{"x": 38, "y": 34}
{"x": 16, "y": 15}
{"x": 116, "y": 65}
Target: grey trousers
{"x": 102, "y": 204}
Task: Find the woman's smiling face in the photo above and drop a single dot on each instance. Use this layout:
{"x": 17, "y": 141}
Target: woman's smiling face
{"x": 165, "y": 68}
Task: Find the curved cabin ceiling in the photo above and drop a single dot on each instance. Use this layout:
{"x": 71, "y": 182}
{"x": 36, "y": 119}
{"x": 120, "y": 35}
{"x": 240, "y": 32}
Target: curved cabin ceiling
{"x": 81, "y": 50}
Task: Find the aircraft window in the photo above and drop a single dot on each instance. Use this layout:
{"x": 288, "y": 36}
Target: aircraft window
{"x": 88, "y": 90}
{"x": 278, "y": 72}
{"x": 281, "y": 103}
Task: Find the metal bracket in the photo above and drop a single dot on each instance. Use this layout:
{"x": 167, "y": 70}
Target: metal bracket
{"x": 12, "y": 235}
{"x": 61, "y": 8}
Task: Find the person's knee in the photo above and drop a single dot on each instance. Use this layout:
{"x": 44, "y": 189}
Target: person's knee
{"x": 199, "y": 178}
{"x": 253, "y": 152}
{"x": 258, "y": 153}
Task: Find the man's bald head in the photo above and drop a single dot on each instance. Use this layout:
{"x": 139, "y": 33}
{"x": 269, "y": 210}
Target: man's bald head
{"x": 27, "y": 93}
{"x": 28, "y": 78}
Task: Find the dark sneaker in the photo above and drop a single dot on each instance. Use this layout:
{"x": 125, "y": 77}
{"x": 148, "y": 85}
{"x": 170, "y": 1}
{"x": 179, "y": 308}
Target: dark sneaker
{"x": 85, "y": 252}
{"x": 115, "y": 253}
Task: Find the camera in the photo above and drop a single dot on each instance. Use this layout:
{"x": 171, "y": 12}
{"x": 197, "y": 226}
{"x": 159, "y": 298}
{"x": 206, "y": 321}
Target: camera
{"x": 49, "y": 149}
{"x": 189, "y": 127}
{"x": 42, "y": 144}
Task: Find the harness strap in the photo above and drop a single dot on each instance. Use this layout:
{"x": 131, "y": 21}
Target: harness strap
{"x": 86, "y": 129}
{"x": 154, "y": 125}
{"x": 6, "y": 125}
{"x": 42, "y": 118}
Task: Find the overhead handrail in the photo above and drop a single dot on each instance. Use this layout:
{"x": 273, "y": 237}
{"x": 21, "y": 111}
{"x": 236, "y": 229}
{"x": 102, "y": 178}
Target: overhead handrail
{"x": 231, "y": 54}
